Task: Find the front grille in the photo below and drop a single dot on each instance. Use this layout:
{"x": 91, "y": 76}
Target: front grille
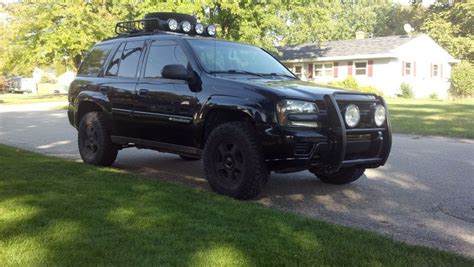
{"x": 303, "y": 148}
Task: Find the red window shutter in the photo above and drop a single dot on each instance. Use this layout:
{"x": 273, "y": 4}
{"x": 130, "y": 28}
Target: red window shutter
{"x": 310, "y": 70}
{"x": 370, "y": 67}
{"x": 336, "y": 70}
{"x": 403, "y": 68}
{"x": 349, "y": 68}
{"x": 414, "y": 69}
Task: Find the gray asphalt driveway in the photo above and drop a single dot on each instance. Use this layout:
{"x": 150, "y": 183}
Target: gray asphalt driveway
{"x": 424, "y": 195}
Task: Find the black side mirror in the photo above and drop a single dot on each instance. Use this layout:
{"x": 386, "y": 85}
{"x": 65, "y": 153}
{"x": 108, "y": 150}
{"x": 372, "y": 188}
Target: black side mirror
{"x": 177, "y": 72}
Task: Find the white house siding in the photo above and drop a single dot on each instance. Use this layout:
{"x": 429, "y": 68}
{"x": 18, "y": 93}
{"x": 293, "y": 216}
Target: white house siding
{"x": 425, "y": 53}
{"x": 388, "y": 73}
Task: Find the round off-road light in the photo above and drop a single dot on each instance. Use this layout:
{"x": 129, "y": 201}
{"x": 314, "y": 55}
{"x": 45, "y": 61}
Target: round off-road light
{"x": 211, "y": 30}
{"x": 379, "y": 115}
{"x": 186, "y": 26}
{"x": 199, "y": 28}
{"x": 352, "y": 115}
{"x": 172, "y": 24}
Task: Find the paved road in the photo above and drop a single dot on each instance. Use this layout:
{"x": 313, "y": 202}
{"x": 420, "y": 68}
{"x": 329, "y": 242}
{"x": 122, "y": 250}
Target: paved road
{"x": 424, "y": 195}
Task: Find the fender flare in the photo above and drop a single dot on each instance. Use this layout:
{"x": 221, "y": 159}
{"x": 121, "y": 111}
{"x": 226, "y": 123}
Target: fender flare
{"x": 96, "y": 98}
{"x": 248, "y": 107}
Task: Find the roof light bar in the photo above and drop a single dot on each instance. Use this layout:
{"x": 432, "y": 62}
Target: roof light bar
{"x": 172, "y": 24}
{"x": 199, "y": 28}
{"x": 211, "y": 30}
{"x": 186, "y": 26}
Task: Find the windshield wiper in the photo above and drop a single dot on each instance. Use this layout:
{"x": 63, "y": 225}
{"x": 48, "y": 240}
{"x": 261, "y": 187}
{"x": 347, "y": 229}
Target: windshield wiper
{"x": 279, "y": 74}
{"x": 236, "y": 72}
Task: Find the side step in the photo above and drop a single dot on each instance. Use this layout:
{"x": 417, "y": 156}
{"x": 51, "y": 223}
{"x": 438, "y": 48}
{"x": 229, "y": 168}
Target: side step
{"x": 162, "y": 147}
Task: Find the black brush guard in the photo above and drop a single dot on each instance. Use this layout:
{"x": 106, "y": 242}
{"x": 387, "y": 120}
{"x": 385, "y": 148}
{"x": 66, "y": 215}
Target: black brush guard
{"x": 338, "y": 135}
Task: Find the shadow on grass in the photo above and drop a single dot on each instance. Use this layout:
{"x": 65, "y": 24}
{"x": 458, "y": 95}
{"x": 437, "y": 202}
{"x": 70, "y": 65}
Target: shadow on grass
{"x": 55, "y": 212}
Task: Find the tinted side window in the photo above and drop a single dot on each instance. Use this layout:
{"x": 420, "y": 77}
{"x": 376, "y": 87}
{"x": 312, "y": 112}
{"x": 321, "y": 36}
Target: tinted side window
{"x": 94, "y": 61}
{"x": 112, "y": 69}
{"x": 161, "y": 55}
{"x": 129, "y": 60}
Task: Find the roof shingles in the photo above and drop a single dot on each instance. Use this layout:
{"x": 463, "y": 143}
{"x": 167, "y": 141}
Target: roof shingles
{"x": 344, "y": 48}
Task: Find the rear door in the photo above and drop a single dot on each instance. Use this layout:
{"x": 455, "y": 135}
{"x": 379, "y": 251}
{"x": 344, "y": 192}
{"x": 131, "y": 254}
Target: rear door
{"x": 120, "y": 78}
{"x": 165, "y": 107}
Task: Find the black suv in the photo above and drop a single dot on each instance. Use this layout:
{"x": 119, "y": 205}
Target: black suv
{"x": 163, "y": 84}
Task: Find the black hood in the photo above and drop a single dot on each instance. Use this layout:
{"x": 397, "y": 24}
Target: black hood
{"x": 293, "y": 88}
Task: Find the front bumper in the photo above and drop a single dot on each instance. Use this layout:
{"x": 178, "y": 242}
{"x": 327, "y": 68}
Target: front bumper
{"x": 331, "y": 147}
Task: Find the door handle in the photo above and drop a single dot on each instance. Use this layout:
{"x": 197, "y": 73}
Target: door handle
{"x": 142, "y": 92}
{"x": 104, "y": 89}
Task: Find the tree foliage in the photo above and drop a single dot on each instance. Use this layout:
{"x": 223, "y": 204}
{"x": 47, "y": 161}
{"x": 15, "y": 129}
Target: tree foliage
{"x": 59, "y": 34}
{"x": 461, "y": 80}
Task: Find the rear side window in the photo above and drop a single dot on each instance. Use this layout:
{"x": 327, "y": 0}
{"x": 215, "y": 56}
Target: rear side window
{"x": 130, "y": 57}
{"x": 94, "y": 61}
{"x": 162, "y": 54}
{"x": 125, "y": 61}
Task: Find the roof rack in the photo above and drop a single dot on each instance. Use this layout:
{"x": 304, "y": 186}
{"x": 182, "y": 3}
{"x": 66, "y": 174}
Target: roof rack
{"x": 165, "y": 22}
{"x": 137, "y": 26}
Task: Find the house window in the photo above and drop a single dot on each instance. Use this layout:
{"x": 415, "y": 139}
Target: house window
{"x": 298, "y": 70}
{"x": 360, "y": 68}
{"x": 435, "y": 70}
{"x": 407, "y": 68}
{"x": 323, "y": 70}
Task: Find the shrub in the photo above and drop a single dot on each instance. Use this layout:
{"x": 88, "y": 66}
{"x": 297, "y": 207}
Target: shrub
{"x": 351, "y": 84}
{"x": 406, "y": 90}
{"x": 371, "y": 90}
{"x": 434, "y": 96}
{"x": 462, "y": 80}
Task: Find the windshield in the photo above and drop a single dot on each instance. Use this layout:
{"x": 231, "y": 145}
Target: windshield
{"x": 227, "y": 57}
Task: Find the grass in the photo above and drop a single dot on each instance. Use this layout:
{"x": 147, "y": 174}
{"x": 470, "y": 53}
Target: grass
{"x": 56, "y": 212}
{"x": 14, "y": 99}
{"x": 432, "y": 117}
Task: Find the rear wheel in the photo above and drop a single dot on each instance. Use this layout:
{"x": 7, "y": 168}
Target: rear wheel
{"x": 343, "y": 176}
{"x": 95, "y": 145}
{"x": 233, "y": 163}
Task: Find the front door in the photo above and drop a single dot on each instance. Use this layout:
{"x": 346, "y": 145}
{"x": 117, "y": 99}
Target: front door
{"x": 165, "y": 107}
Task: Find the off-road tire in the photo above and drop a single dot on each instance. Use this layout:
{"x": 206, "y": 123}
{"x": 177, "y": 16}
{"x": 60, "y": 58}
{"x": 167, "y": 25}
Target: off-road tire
{"x": 95, "y": 145}
{"x": 252, "y": 174}
{"x": 187, "y": 158}
{"x": 343, "y": 176}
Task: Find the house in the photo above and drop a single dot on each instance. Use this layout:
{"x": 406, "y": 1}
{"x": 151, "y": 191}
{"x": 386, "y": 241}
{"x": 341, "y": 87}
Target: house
{"x": 382, "y": 62}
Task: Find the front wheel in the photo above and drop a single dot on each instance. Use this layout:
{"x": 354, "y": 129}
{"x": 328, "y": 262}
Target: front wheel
{"x": 343, "y": 176}
{"x": 233, "y": 162}
{"x": 95, "y": 145}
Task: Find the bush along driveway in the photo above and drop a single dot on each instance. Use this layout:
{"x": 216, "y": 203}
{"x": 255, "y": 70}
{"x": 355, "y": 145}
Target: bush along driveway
{"x": 56, "y": 212}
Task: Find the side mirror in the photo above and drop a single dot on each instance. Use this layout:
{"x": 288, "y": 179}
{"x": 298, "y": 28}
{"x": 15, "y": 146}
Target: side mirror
{"x": 177, "y": 72}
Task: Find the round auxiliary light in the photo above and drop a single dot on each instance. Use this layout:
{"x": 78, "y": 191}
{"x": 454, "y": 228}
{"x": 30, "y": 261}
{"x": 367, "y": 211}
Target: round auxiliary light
{"x": 172, "y": 24}
{"x": 211, "y": 30}
{"x": 186, "y": 26}
{"x": 379, "y": 115}
{"x": 199, "y": 29}
{"x": 352, "y": 115}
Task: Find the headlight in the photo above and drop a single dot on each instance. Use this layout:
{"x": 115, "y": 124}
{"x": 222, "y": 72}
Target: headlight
{"x": 211, "y": 30}
{"x": 172, "y": 24}
{"x": 296, "y": 107}
{"x": 352, "y": 115}
{"x": 380, "y": 115}
{"x": 199, "y": 29}
{"x": 186, "y": 26}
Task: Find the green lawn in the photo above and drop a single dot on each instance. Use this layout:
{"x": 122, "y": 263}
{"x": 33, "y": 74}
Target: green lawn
{"x": 13, "y": 99}
{"x": 432, "y": 117}
{"x": 56, "y": 212}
